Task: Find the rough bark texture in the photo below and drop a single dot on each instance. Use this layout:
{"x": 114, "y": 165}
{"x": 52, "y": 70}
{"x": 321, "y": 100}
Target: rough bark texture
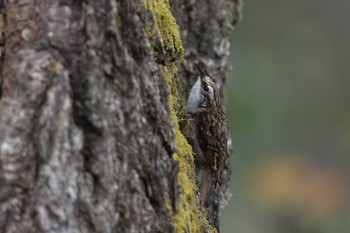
{"x": 90, "y": 111}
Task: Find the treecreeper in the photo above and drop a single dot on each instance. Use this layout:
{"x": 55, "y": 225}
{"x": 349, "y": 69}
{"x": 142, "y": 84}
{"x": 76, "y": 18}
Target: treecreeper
{"x": 208, "y": 132}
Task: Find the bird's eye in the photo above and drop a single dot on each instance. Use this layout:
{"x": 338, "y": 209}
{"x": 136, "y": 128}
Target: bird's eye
{"x": 206, "y": 88}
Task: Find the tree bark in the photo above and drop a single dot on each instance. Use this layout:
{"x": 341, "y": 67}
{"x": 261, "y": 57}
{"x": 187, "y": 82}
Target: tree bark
{"x": 92, "y": 122}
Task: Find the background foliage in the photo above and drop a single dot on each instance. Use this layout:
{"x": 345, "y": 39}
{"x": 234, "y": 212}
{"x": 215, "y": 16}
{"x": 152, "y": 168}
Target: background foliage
{"x": 289, "y": 114}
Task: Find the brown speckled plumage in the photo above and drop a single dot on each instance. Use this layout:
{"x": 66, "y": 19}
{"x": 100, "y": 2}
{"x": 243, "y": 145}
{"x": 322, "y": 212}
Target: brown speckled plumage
{"x": 209, "y": 133}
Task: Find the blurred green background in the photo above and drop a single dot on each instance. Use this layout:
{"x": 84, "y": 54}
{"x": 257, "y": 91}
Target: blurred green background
{"x": 289, "y": 115}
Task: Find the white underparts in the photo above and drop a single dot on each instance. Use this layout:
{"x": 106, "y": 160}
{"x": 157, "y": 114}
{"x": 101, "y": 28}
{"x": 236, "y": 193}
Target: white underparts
{"x": 194, "y": 98}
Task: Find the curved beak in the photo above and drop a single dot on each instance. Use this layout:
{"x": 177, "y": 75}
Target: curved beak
{"x": 201, "y": 71}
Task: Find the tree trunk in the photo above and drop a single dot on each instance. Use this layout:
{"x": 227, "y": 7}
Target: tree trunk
{"x": 92, "y": 122}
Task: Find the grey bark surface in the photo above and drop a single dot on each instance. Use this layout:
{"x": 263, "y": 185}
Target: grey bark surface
{"x": 86, "y": 138}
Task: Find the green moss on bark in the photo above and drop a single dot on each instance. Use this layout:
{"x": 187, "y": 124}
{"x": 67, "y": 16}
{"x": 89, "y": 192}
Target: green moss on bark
{"x": 189, "y": 217}
{"x": 164, "y": 26}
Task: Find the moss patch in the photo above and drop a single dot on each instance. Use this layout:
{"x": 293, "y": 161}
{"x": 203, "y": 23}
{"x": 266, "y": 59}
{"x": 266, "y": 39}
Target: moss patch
{"x": 162, "y": 25}
{"x": 189, "y": 216}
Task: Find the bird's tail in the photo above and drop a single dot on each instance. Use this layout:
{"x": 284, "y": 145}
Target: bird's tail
{"x": 205, "y": 178}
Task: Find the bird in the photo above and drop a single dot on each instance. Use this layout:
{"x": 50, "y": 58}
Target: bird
{"x": 209, "y": 131}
